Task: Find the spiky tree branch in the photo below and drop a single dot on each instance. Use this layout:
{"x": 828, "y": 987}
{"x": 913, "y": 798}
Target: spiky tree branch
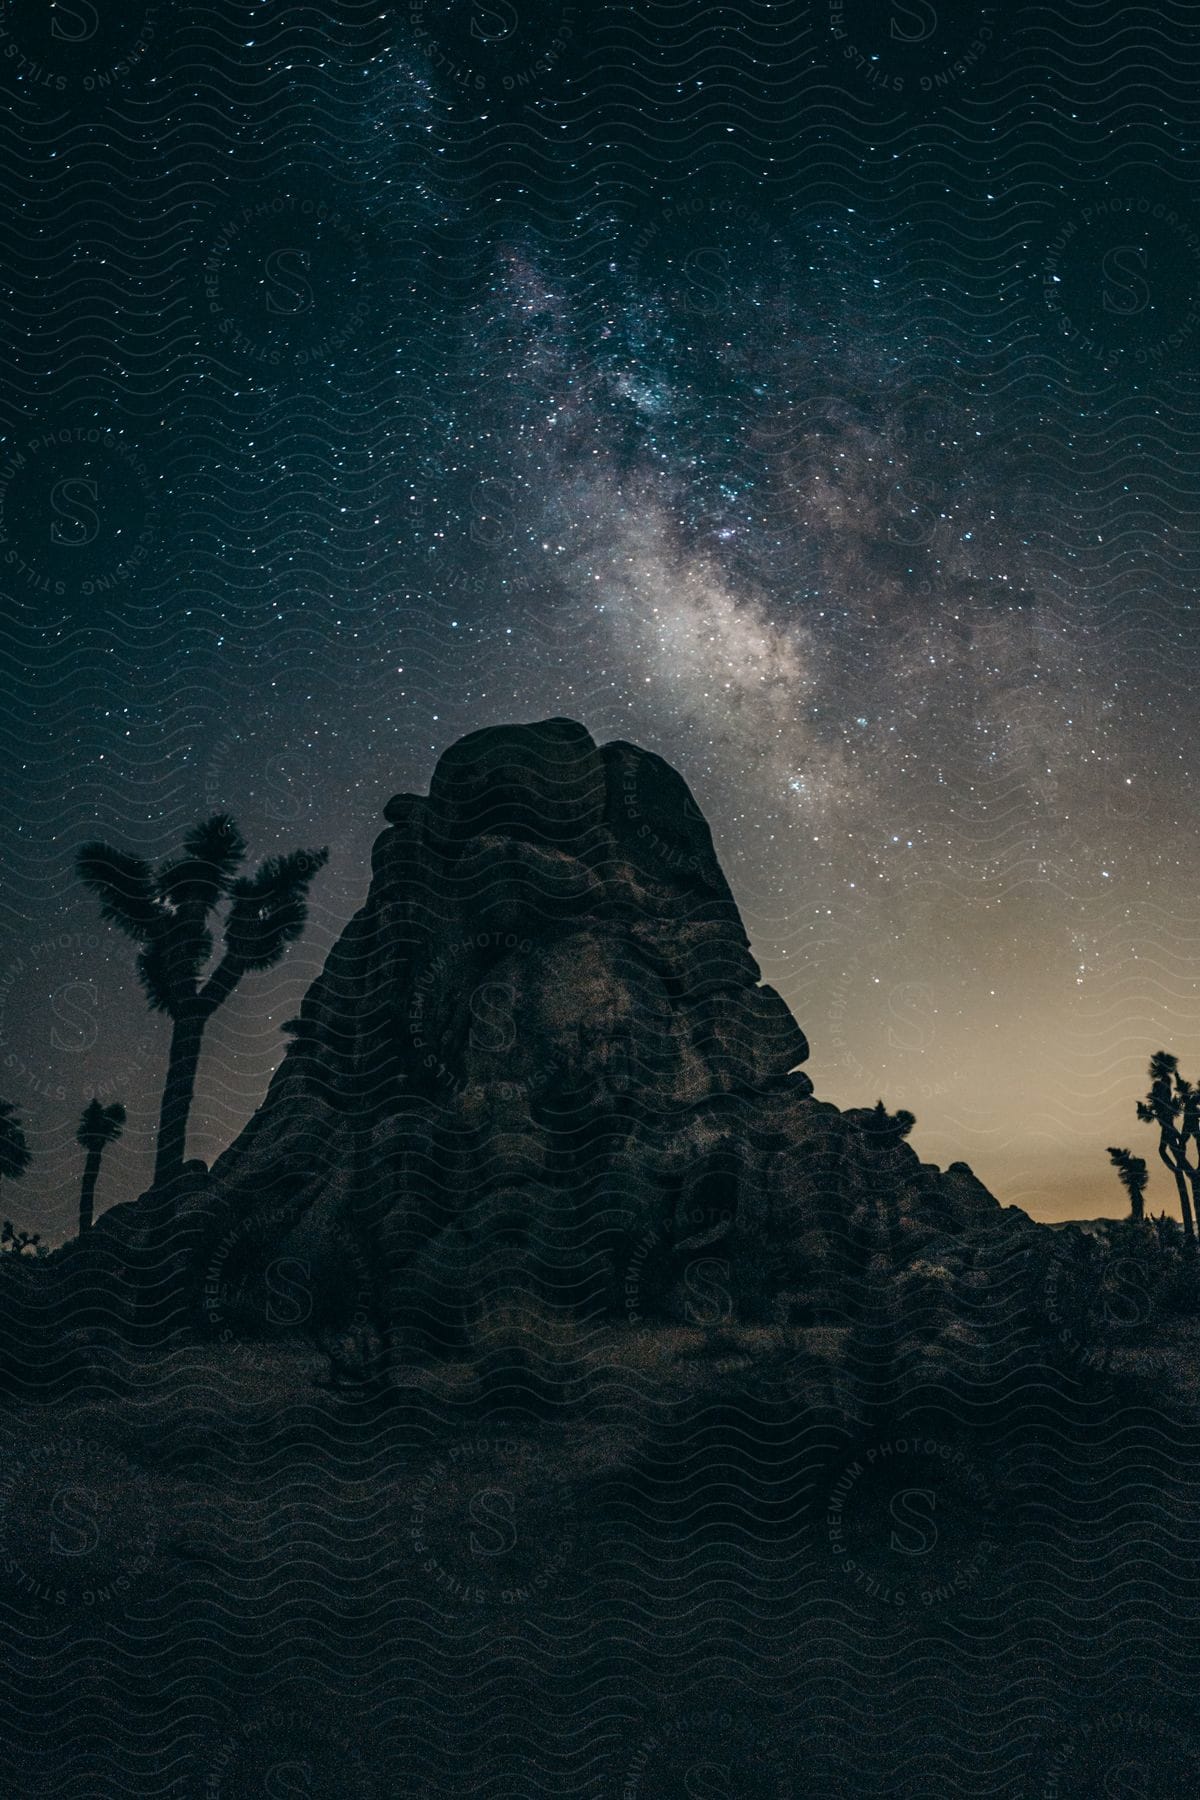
{"x": 1132, "y": 1174}
{"x": 1168, "y": 1099}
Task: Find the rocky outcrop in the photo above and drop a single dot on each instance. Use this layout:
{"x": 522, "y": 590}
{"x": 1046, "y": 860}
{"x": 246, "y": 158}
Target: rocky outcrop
{"x": 541, "y": 1061}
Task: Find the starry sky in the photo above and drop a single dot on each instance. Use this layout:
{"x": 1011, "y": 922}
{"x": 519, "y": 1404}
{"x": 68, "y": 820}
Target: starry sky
{"x": 810, "y": 393}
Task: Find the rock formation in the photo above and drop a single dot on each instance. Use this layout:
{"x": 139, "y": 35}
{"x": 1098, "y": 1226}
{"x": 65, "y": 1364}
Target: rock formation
{"x": 540, "y": 1062}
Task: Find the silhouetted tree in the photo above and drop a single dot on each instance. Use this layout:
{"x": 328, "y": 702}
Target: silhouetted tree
{"x": 1171, "y": 1104}
{"x": 14, "y": 1151}
{"x": 889, "y": 1129}
{"x": 882, "y": 1136}
{"x": 99, "y": 1126}
{"x": 167, "y": 913}
{"x": 1132, "y": 1174}
{"x": 1189, "y": 1132}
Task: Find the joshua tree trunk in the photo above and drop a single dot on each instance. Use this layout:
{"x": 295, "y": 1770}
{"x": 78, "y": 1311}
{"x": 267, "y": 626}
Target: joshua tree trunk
{"x": 1136, "y": 1205}
{"x": 1185, "y": 1205}
{"x": 184, "y": 1059}
{"x": 178, "y": 1090}
{"x": 87, "y": 1192}
{"x": 1193, "y": 1179}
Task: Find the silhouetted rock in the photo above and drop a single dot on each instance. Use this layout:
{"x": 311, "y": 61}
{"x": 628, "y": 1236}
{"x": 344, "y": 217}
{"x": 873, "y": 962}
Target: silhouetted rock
{"x": 540, "y": 1061}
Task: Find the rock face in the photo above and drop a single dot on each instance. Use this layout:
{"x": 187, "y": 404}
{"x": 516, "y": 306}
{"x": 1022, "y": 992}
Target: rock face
{"x": 540, "y": 1062}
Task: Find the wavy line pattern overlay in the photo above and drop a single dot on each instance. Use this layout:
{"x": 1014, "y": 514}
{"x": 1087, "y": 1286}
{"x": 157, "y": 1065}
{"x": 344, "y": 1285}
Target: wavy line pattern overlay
{"x": 540, "y": 1368}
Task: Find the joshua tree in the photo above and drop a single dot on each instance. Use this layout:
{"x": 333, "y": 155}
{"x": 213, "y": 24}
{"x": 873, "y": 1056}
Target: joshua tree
{"x": 1189, "y": 1132}
{"x": 1174, "y": 1106}
{"x": 1132, "y": 1174}
{"x": 99, "y": 1126}
{"x": 167, "y": 913}
{"x": 14, "y": 1151}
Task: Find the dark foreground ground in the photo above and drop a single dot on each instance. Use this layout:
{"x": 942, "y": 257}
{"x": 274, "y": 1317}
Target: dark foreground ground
{"x": 667, "y": 1568}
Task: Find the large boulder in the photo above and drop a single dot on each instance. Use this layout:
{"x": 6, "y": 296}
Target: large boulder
{"x": 541, "y": 1061}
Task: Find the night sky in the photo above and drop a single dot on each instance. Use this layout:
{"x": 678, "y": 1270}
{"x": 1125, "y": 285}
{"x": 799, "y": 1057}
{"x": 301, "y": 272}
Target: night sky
{"x": 808, "y": 393}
